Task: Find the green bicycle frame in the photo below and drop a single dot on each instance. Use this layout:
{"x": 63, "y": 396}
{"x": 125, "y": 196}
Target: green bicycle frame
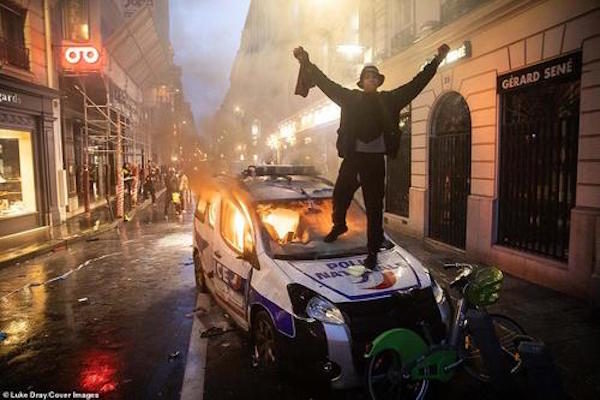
{"x": 412, "y": 349}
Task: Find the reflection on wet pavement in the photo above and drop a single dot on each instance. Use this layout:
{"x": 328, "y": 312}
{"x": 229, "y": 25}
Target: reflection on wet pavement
{"x": 139, "y": 285}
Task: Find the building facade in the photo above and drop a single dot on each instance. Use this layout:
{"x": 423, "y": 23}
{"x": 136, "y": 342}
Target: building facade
{"x": 29, "y": 128}
{"x": 500, "y": 155}
{"x": 113, "y": 65}
{"x": 263, "y": 77}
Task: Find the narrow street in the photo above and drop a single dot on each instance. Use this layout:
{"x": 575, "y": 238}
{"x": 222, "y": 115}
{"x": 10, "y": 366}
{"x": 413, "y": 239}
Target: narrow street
{"x": 300, "y": 199}
{"x": 115, "y": 325}
{"x": 119, "y": 321}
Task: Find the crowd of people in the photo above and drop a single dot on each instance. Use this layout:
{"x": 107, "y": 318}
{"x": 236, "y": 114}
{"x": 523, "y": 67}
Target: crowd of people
{"x": 145, "y": 182}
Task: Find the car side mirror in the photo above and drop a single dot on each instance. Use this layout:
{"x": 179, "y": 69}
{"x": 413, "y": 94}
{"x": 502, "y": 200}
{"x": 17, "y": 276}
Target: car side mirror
{"x": 249, "y": 255}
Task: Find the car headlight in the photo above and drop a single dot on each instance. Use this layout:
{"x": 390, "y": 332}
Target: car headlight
{"x": 438, "y": 292}
{"x": 324, "y": 311}
{"x": 300, "y": 296}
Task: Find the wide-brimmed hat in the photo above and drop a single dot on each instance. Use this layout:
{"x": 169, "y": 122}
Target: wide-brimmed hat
{"x": 370, "y": 68}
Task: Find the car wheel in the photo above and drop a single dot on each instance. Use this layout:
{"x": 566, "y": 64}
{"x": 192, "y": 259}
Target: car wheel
{"x": 265, "y": 348}
{"x": 199, "y": 273}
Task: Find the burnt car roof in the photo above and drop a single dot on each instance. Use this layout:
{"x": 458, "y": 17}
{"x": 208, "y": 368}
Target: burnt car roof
{"x": 278, "y": 183}
{"x": 290, "y": 187}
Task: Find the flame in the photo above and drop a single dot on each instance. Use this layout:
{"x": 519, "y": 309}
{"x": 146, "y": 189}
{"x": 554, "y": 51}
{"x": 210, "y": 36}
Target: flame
{"x": 282, "y": 220}
{"x": 239, "y": 226}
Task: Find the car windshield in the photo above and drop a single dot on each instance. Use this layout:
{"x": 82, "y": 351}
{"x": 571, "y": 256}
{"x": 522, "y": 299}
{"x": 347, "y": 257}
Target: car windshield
{"x": 295, "y": 229}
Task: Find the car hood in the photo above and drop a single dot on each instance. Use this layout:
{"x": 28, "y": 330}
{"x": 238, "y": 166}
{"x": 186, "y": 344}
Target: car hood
{"x": 397, "y": 270}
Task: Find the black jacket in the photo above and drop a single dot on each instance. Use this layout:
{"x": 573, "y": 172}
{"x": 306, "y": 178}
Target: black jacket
{"x": 392, "y": 102}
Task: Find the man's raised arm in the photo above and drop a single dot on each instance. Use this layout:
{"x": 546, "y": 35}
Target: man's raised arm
{"x": 404, "y": 94}
{"x": 311, "y": 75}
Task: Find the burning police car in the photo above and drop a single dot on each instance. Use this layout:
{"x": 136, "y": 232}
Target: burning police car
{"x": 258, "y": 248}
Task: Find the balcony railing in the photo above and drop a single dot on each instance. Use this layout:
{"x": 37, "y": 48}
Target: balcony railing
{"x": 453, "y": 9}
{"x": 14, "y": 55}
{"x": 403, "y": 39}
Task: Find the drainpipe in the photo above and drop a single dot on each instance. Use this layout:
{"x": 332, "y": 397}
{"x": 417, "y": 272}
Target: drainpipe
{"x": 59, "y": 171}
{"x": 49, "y": 52}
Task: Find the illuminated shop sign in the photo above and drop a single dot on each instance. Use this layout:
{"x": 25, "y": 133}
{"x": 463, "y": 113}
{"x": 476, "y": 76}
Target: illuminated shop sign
{"x": 464, "y": 51}
{"x": 89, "y": 55}
{"x": 13, "y": 98}
{"x": 81, "y": 57}
{"x": 459, "y": 53}
{"x": 560, "y": 69}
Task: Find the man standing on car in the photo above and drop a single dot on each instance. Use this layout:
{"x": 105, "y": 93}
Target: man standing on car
{"x": 369, "y": 129}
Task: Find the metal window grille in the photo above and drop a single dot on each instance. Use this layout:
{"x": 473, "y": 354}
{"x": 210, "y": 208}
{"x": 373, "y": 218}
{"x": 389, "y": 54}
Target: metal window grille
{"x": 538, "y": 168}
{"x": 450, "y": 171}
{"x": 399, "y": 170}
{"x": 12, "y": 37}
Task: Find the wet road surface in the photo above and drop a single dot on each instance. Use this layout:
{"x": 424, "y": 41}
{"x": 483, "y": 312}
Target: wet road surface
{"x": 111, "y": 323}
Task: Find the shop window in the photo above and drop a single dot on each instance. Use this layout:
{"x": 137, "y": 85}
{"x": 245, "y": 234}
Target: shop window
{"x": 399, "y": 170}
{"x": 76, "y": 20}
{"x": 17, "y": 186}
{"x": 12, "y": 37}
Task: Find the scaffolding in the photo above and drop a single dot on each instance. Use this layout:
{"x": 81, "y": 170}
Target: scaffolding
{"x": 108, "y": 129}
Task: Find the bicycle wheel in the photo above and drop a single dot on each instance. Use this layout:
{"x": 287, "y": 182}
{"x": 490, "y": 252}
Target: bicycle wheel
{"x": 385, "y": 380}
{"x": 509, "y": 334}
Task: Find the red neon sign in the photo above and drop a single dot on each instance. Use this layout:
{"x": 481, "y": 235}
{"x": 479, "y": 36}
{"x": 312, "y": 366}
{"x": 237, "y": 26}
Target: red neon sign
{"x": 81, "y": 58}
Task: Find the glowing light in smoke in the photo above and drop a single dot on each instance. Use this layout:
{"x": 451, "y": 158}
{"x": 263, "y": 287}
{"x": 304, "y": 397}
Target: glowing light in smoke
{"x": 350, "y": 50}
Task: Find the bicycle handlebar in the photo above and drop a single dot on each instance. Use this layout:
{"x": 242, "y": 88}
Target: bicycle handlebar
{"x": 459, "y": 265}
{"x": 467, "y": 269}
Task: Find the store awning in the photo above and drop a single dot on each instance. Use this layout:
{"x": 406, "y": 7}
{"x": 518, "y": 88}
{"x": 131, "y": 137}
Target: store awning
{"x": 138, "y": 49}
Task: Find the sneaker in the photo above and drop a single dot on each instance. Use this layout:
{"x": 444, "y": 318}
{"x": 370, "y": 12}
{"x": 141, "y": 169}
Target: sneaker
{"x": 371, "y": 261}
{"x": 336, "y": 231}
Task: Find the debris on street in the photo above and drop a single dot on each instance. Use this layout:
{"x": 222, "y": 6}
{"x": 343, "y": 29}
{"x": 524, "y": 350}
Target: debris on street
{"x": 3, "y": 336}
{"x": 57, "y": 278}
{"x": 174, "y": 355}
{"x": 83, "y": 300}
{"x": 215, "y": 331}
{"x": 60, "y": 277}
{"x": 197, "y": 310}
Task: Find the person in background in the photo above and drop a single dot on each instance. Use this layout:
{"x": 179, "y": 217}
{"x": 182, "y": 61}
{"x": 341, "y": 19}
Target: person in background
{"x": 141, "y": 181}
{"x": 134, "y": 184}
{"x": 127, "y": 180}
{"x": 184, "y": 189}
{"x": 149, "y": 181}
{"x": 171, "y": 186}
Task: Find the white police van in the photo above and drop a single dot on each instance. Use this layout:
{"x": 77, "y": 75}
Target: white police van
{"x": 258, "y": 248}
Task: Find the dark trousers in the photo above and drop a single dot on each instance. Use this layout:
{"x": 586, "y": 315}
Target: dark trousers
{"x": 168, "y": 201}
{"x": 366, "y": 170}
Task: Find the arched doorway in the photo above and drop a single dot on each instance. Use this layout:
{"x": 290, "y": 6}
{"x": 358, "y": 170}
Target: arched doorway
{"x": 449, "y": 170}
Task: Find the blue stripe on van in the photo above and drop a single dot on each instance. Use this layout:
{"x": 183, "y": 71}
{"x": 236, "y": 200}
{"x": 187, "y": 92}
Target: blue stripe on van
{"x": 283, "y": 321}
